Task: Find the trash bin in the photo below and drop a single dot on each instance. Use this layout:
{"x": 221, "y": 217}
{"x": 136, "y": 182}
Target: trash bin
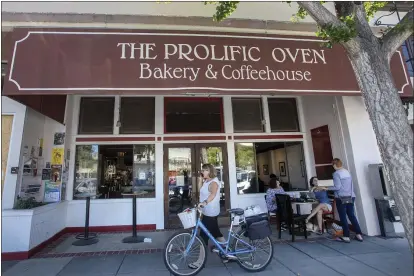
{"x": 387, "y": 214}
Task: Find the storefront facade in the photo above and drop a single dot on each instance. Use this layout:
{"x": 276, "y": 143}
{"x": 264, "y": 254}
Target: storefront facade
{"x": 144, "y": 109}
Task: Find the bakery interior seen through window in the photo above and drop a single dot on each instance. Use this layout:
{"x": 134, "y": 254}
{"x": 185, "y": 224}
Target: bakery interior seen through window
{"x": 114, "y": 171}
{"x": 256, "y": 162}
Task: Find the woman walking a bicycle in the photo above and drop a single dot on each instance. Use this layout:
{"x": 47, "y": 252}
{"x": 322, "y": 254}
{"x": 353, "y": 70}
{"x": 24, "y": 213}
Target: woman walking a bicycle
{"x": 210, "y": 206}
{"x": 185, "y": 253}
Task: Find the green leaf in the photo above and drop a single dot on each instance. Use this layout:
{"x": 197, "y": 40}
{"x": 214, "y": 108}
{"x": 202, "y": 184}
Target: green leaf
{"x": 372, "y": 7}
{"x": 333, "y": 34}
{"x": 223, "y": 9}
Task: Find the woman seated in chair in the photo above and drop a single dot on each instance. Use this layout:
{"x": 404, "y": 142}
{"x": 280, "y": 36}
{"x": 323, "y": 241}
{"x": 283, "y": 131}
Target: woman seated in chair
{"x": 324, "y": 202}
{"x": 274, "y": 188}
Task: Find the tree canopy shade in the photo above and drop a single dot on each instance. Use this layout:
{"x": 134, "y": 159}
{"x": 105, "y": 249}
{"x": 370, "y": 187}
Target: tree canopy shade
{"x": 370, "y": 57}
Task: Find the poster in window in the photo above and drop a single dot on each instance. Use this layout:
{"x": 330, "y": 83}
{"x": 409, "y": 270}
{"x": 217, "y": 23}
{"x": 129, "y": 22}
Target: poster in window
{"x": 266, "y": 169}
{"x": 282, "y": 168}
{"x": 56, "y": 173}
{"x": 57, "y": 156}
{"x": 46, "y": 174}
{"x": 59, "y": 139}
{"x": 52, "y": 191}
{"x": 40, "y": 144}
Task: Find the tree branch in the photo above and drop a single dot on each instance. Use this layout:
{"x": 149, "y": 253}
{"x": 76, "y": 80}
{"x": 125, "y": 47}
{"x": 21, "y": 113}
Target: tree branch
{"x": 398, "y": 34}
{"x": 320, "y": 14}
{"x": 344, "y": 8}
{"x": 361, "y": 24}
{"x": 324, "y": 18}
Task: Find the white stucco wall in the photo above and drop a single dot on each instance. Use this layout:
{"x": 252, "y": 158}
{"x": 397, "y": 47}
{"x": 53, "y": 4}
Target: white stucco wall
{"x": 320, "y": 111}
{"x": 386, "y": 18}
{"x": 37, "y": 126}
{"x": 361, "y": 150}
{"x": 276, "y": 11}
{"x": 25, "y": 229}
{"x": 272, "y": 11}
{"x": 33, "y": 130}
{"x": 410, "y": 115}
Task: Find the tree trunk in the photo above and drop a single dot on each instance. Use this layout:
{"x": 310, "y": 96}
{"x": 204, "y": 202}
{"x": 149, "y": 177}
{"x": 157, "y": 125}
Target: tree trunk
{"x": 390, "y": 123}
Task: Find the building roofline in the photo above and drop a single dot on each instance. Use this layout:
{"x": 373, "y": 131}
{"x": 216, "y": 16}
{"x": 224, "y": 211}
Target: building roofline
{"x": 10, "y": 20}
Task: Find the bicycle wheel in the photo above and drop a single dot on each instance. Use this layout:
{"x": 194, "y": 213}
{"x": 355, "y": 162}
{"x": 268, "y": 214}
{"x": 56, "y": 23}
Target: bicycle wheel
{"x": 259, "y": 259}
{"x": 175, "y": 204}
{"x": 175, "y": 259}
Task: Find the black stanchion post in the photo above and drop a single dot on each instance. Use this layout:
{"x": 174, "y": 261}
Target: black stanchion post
{"x": 134, "y": 216}
{"x": 134, "y": 238}
{"x": 86, "y": 238}
{"x": 88, "y": 207}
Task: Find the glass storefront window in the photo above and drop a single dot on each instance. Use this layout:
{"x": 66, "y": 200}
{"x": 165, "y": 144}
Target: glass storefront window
{"x": 86, "y": 170}
{"x": 114, "y": 171}
{"x": 246, "y": 168}
{"x": 256, "y": 162}
{"x": 144, "y": 170}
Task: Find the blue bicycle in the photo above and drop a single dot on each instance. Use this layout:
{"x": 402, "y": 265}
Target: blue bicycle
{"x": 248, "y": 244}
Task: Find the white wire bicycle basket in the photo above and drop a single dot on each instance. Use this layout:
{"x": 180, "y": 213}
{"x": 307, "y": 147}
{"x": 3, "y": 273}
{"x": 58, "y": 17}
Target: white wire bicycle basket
{"x": 188, "y": 218}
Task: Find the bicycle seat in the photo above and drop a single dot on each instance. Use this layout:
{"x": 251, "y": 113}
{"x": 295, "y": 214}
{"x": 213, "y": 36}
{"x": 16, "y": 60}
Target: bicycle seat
{"x": 237, "y": 211}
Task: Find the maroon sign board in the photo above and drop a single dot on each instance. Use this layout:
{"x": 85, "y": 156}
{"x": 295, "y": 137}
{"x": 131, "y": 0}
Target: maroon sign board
{"x": 74, "y": 61}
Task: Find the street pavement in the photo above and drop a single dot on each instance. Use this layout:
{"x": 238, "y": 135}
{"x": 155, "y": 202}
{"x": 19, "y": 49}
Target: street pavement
{"x": 375, "y": 256}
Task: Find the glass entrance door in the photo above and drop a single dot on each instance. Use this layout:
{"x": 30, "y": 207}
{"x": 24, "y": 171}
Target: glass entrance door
{"x": 182, "y": 181}
{"x": 216, "y": 156}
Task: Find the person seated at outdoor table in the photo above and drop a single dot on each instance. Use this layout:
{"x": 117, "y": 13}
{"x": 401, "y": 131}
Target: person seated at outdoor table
{"x": 274, "y": 188}
{"x": 324, "y": 203}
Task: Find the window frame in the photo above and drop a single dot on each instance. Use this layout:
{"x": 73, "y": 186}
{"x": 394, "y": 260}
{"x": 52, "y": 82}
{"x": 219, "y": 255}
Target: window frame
{"x": 195, "y": 99}
{"x": 297, "y": 110}
{"x": 288, "y": 175}
{"x": 120, "y": 115}
{"x": 107, "y": 143}
{"x": 262, "y": 115}
{"x": 81, "y": 98}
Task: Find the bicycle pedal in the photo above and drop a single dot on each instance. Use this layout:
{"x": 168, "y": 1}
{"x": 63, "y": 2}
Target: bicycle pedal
{"x": 226, "y": 261}
{"x": 231, "y": 257}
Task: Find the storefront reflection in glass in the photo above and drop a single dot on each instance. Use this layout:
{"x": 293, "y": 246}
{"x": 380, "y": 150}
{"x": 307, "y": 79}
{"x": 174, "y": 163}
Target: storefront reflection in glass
{"x": 144, "y": 170}
{"x": 114, "y": 171}
{"x": 86, "y": 170}
{"x": 247, "y": 181}
{"x": 255, "y": 162}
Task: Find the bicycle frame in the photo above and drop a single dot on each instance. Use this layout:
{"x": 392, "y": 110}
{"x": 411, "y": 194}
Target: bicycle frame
{"x": 219, "y": 244}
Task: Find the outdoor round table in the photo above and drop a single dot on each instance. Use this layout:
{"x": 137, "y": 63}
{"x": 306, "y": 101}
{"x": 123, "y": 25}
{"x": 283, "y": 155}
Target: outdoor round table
{"x": 86, "y": 238}
{"x": 134, "y": 238}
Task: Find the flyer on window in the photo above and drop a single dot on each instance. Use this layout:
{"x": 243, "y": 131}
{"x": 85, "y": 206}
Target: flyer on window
{"x": 57, "y": 156}
{"x": 52, "y": 191}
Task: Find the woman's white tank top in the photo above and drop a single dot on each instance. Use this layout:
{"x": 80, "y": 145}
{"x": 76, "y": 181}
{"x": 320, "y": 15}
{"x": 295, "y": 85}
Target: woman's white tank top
{"x": 212, "y": 209}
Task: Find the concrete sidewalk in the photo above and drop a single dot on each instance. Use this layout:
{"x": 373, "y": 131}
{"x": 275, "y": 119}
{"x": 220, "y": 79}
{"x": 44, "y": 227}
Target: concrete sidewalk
{"x": 375, "y": 256}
